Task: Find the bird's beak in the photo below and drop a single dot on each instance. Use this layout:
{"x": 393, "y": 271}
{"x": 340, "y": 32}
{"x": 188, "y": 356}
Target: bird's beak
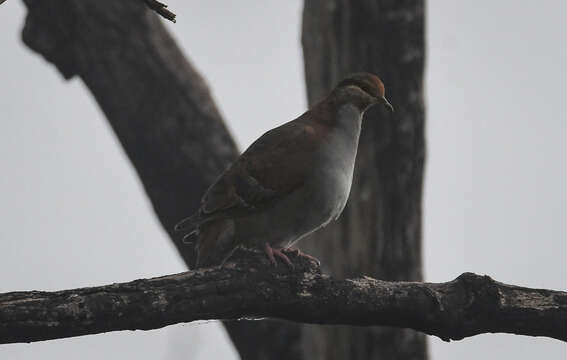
{"x": 386, "y": 103}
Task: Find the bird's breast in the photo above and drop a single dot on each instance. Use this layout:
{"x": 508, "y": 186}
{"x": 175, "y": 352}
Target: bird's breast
{"x": 333, "y": 169}
{"x": 331, "y": 185}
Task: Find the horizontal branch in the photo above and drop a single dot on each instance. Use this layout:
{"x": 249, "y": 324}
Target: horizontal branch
{"x": 251, "y": 288}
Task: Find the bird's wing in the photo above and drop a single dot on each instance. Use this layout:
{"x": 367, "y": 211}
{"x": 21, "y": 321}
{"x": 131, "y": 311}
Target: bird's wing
{"x": 274, "y": 165}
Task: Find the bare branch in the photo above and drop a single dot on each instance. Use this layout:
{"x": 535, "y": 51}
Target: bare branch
{"x": 161, "y": 9}
{"x": 252, "y": 288}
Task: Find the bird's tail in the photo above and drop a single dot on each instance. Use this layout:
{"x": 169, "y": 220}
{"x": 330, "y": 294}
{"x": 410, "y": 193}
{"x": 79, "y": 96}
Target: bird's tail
{"x": 215, "y": 242}
{"x": 211, "y": 236}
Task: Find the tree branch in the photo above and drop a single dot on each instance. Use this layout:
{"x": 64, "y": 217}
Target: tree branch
{"x": 161, "y": 9}
{"x": 252, "y": 288}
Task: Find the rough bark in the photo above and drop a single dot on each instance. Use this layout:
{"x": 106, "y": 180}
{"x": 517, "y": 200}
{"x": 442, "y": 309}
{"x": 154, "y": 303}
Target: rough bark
{"x": 161, "y": 111}
{"x": 252, "y": 288}
{"x": 379, "y": 233}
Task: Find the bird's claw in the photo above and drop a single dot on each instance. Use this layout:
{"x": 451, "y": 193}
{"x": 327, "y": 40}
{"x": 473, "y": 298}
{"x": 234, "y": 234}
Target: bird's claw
{"x": 272, "y": 253}
{"x": 299, "y": 253}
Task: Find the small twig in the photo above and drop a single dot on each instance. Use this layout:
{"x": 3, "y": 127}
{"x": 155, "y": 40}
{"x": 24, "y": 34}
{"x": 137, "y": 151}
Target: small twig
{"x": 161, "y": 9}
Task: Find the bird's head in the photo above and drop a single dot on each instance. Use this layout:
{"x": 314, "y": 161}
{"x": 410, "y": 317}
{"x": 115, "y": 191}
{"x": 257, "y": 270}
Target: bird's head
{"x": 363, "y": 90}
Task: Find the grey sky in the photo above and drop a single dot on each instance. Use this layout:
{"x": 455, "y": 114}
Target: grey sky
{"x": 74, "y": 214}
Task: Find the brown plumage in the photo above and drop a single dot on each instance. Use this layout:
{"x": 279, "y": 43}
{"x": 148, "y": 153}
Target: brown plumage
{"x": 291, "y": 181}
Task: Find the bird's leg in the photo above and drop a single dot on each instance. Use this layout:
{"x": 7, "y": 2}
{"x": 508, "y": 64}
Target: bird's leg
{"x": 272, "y": 253}
{"x": 299, "y": 253}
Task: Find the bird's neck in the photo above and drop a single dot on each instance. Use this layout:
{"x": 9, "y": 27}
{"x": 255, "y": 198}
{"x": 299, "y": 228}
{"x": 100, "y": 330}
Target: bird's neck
{"x": 348, "y": 119}
{"x": 337, "y": 114}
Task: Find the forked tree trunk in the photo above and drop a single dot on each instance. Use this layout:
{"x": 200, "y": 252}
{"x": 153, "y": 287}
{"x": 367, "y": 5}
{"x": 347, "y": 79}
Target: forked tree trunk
{"x": 379, "y": 233}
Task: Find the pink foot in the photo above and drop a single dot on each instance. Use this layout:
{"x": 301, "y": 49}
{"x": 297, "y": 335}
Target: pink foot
{"x": 272, "y": 253}
{"x": 298, "y": 253}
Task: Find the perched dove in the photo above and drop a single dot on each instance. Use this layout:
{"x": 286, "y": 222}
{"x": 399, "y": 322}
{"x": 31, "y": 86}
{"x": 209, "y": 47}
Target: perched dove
{"x": 293, "y": 180}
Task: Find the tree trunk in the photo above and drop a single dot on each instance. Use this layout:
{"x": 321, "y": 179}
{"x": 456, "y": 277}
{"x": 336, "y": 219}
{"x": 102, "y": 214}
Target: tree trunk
{"x": 157, "y": 104}
{"x": 379, "y": 232}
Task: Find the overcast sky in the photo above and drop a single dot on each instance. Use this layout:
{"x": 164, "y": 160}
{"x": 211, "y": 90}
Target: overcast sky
{"x": 74, "y": 214}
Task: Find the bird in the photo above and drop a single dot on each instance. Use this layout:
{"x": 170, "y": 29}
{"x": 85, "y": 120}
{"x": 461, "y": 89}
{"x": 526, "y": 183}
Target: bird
{"x": 290, "y": 182}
